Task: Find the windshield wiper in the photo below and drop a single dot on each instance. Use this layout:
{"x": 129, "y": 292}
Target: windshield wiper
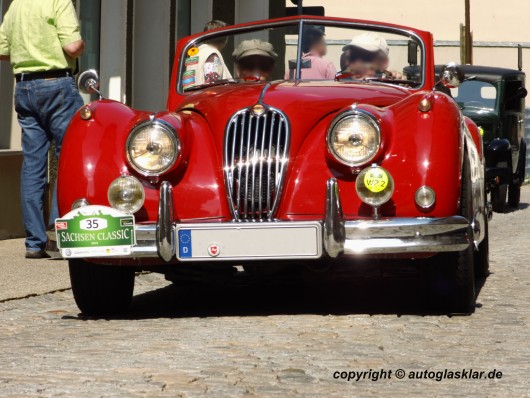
{"x": 213, "y": 84}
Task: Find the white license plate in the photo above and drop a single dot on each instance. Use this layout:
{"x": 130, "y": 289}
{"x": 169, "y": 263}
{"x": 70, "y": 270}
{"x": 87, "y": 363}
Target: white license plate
{"x": 259, "y": 241}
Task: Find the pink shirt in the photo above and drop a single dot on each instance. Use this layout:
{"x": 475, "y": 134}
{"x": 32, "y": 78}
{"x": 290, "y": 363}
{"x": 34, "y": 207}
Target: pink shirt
{"x": 320, "y": 68}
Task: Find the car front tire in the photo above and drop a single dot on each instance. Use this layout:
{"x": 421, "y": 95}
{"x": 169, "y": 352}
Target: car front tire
{"x": 450, "y": 277}
{"x": 101, "y": 289}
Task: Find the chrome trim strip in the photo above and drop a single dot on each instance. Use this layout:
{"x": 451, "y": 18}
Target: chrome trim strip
{"x": 264, "y": 91}
{"x": 298, "y": 71}
{"x": 145, "y": 241}
{"x": 284, "y": 159}
{"x": 249, "y": 132}
{"x": 237, "y": 212}
{"x": 165, "y": 242}
{"x": 406, "y": 235}
{"x": 262, "y": 149}
{"x": 334, "y": 233}
{"x": 405, "y": 227}
{"x": 269, "y": 161}
{"x": 254, "y": 159}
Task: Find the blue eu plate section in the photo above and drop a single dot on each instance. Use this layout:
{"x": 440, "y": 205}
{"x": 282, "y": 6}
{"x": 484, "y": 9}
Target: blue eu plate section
{"x": 185, "y": 243}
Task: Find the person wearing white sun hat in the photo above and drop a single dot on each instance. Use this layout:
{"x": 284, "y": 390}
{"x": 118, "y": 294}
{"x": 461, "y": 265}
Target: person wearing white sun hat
{"x": 374, "y": 44}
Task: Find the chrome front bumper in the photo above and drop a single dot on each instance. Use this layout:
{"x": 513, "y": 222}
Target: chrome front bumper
{"x": 340, "y": 237}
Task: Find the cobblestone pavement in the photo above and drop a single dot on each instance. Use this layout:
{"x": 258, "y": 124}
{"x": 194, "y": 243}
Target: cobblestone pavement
{"x": 280, "y": 339}
{"x": 18, "y": 274}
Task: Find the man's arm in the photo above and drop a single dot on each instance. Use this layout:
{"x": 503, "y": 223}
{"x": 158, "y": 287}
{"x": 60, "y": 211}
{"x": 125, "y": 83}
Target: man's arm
{"x": 4, "y": 43}
{"x": 74, "y": 49}
{"x": 68, "y": 28}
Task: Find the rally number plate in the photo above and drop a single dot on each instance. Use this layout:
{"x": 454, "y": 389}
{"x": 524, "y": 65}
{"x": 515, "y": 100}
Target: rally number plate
{"x": 95, "y": 231}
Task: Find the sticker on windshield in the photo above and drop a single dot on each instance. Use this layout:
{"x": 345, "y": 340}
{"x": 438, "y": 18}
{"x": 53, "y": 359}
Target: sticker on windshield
{"x": 188, "y": 78}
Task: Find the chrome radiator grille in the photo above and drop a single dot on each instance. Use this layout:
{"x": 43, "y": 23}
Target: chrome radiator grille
{"x": 255, "y": 160}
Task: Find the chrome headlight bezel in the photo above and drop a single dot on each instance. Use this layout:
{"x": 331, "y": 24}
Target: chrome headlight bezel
{"x": 366, "y": 117}
{"x": 170, "y": 132}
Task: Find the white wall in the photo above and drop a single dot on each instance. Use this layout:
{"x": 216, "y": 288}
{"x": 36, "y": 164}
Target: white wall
{"x": 150, "y": 62}
{"x": 201, "y": 12}
{"x": 247, "y": 11}
{"x": 491, "y": 21}
{"x": 113, "y": 49}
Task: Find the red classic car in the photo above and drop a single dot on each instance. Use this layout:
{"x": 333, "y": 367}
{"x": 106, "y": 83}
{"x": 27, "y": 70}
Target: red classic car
{"x": 287, "y": 141}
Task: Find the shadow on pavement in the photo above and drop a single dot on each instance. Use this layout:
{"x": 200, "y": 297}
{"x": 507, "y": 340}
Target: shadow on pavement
{"x": 393, "y": 288}
{"x": 521, "y": 206}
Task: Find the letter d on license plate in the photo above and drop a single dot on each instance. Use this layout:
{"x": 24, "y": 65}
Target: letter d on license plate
{"x": 95, "y": 231}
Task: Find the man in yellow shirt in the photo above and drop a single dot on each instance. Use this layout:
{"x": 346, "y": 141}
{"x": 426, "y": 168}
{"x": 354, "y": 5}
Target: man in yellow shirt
{"x": 41, "y": 39}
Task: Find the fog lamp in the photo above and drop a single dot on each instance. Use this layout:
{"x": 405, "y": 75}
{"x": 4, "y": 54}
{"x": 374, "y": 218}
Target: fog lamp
{"x": 425, "y": 197}
{"x": 126, "y": 194}
{"x": 374, "y": 185}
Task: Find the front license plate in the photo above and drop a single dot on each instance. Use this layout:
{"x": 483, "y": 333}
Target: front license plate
{"x": 260, "y": 241}
{"x": 95, "y": 231}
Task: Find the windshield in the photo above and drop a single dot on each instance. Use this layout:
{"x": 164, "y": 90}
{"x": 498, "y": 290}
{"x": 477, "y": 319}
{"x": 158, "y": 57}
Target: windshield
{"x": 346, "y": 52}
{"x": 475, "y": 95}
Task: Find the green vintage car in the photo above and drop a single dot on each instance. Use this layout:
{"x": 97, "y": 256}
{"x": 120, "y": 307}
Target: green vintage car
{"x": 494, "y": 99}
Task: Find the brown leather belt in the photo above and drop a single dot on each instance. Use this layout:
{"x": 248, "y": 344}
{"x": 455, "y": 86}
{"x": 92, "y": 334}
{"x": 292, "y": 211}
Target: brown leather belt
{"x": 49, "y": 74}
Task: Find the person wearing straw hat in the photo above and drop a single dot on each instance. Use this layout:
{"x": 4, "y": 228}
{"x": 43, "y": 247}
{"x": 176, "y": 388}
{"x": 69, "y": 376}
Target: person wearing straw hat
{"x": 255, "y": 59}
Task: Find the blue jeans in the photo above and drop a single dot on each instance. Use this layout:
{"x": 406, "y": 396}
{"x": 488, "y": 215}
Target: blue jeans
{"x": 45, "y": 108}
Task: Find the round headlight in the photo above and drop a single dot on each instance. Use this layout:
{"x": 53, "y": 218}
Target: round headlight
{"x": 126, "y": 194}
{"x": 152, "y": 148}
{"x": 354, "y": 138}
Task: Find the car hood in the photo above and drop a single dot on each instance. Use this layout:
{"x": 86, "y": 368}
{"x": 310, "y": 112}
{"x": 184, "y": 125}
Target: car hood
{"x": 304, "y": 103}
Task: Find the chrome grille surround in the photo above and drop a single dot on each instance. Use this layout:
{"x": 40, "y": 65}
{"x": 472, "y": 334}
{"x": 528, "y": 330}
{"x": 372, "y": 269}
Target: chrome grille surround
{"x": 256, "y": 154}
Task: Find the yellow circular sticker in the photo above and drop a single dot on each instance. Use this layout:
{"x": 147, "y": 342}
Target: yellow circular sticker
{"x": 193, "y": 51}
{"x": 376, "y": 179}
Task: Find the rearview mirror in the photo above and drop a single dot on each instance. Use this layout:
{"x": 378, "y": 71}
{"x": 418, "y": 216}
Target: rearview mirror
{"x": 519, "y": 94}
{"x": 88, "y": 82}
{"x": 522, "y": 92}
{"x": 412, "y": 53}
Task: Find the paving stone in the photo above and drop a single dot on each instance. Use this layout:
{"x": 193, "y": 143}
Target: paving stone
{"x": 279, "y": 339}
